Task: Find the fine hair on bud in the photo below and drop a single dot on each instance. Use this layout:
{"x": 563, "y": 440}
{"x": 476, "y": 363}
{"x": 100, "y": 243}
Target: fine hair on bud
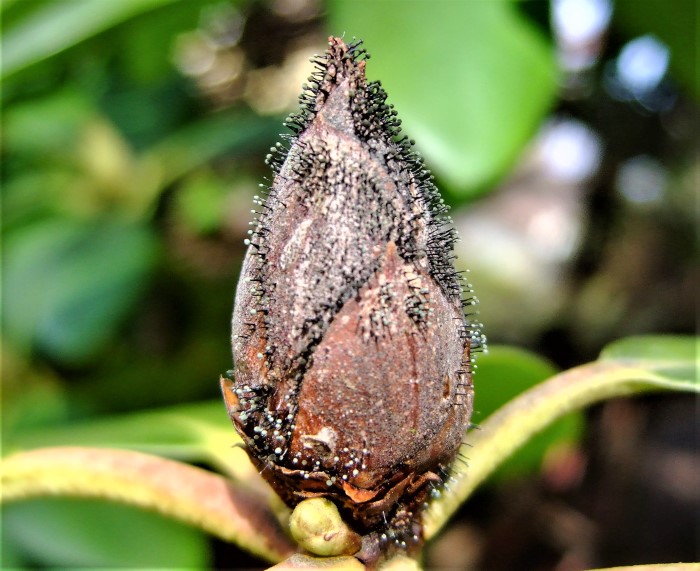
{"x": 352, "y": 352}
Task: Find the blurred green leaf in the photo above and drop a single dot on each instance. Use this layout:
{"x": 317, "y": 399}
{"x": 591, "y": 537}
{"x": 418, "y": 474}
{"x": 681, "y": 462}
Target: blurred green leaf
{"x": 78, "y": 533}
{"x": 177, "y": 432}
{"x": 184, "y": 432}
{"x": 673, "y": 356}
{"x": 55, "y": 26}
{"x": 471, "y": 80}
{"x": 11, "y": 556}
{"x": 47, "y": 124}
{"x": 148, "y": 41}
{"x": 34, "y": 195}
{"x": 68, "y": 283}
{"x": 198, "y": 433}
{"x": 32, "y": 397}
{"x": 629, "y": 367}
{"x": 201, "y": 202}
{"x": 503, "y": 373}
{"x": 5, "y": 4}
{"x": 674, "y": 23}
{"x": 149, "y": 112}
{"x": 203, "y": 141}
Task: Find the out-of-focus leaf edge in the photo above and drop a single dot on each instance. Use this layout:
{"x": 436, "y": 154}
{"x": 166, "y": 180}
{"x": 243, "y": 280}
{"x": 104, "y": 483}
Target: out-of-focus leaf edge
{"x": 46, "y": 30}
{"x": 174, "y": 489}
{"x": 512, "y": 425}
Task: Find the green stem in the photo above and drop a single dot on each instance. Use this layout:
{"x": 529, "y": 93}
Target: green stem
{"x": 174, "y": 489}
{"x": 516, "y": 422}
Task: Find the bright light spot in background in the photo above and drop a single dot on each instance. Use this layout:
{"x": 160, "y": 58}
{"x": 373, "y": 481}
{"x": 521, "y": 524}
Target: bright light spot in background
{"x": 569, "y": 150}
{"x": 580, "y": 21}
{"x": 579, "y": 26}
{"x": 553, "y": 234}
{"x": 518, "y": 240}
{"x": 638, "y": 74}
{"x": 194, "y": 54}
{"x": 642, "y": 180}
{"x": 642, "y": 64}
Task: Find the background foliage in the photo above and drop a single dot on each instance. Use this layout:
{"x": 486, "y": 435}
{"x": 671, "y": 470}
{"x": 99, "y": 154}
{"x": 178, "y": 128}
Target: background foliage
{"x": 133, "y": 134}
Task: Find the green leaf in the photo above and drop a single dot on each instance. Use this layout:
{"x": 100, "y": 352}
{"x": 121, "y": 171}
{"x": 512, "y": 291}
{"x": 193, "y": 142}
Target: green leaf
{"x": 470, "y": 80}
{"x": 28, "y": 133}
{"x": 200, "y": 433}
{"x": 58, "y": 25}
{"x": 68, "y": 283}
{"x": 503, "y": 373}
{"x": 201, "y": 142}
{"x": 147, "y": 42}
{"x": 74, "y": 533}
{"x": 629, "y": 367}
{"x": 201, "y": 202}
{"x": 171, "y": 432}
{"x": 674, "y": 356}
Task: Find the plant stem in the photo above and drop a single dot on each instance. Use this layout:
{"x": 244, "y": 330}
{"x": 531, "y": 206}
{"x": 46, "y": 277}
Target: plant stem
{"x": 516, "y": 422}
{"x": 174, "y": 489}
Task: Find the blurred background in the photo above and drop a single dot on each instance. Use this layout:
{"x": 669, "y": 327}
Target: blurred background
{"x": 564, "y": 134}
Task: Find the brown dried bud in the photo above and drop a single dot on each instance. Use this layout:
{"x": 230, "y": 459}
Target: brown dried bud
{"x": 352, "y": 352}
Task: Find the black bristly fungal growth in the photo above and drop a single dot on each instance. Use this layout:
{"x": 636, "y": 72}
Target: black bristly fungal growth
{"x": 352, "y": 352}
